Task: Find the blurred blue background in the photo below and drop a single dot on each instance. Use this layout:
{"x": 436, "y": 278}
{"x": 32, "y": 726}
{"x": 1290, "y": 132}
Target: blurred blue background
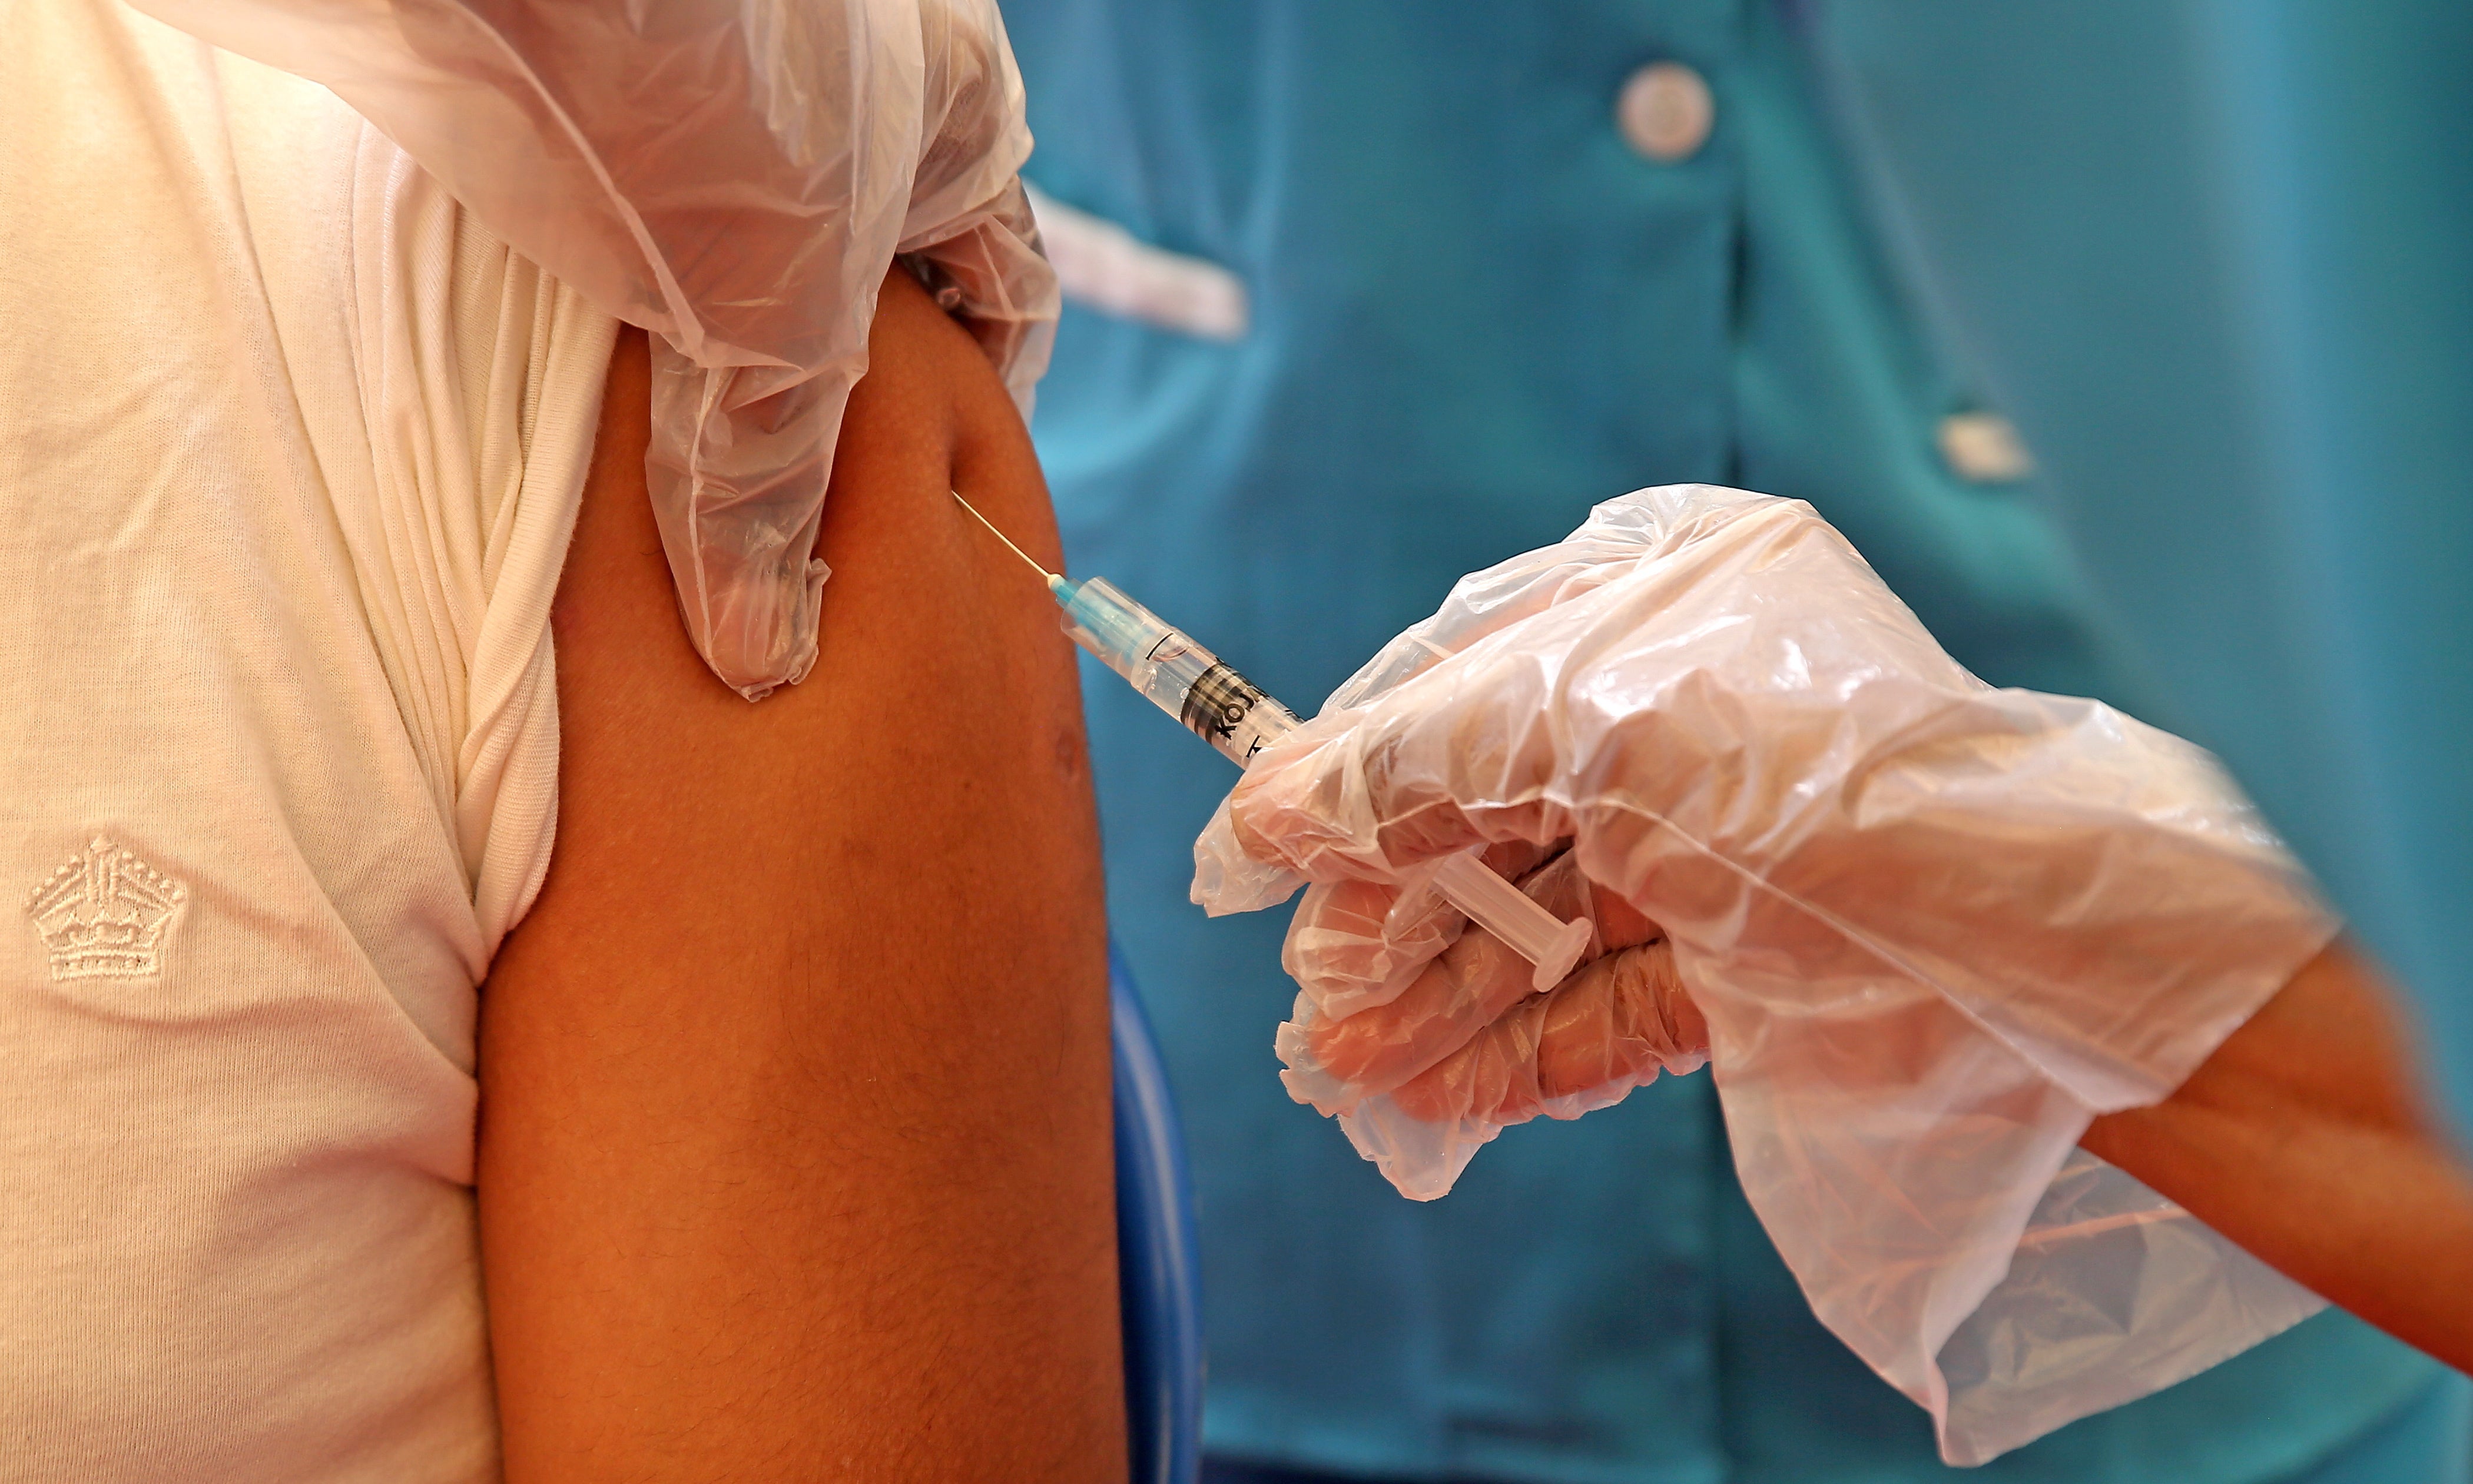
{"x": 2131, "y": 341}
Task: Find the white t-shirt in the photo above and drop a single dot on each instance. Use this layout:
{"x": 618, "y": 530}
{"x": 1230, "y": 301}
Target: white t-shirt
{"x": 290, "y": 452}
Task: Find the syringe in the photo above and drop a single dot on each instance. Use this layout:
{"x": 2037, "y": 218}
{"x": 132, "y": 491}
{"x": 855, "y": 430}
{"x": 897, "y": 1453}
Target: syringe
{"x": 1231, "y": 713}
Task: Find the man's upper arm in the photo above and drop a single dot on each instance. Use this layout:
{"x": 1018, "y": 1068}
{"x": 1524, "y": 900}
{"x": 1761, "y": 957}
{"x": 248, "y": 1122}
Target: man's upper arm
{"x": 795, "y": 1133}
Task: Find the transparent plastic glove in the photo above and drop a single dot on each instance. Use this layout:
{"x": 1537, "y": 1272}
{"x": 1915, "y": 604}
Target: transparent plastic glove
{"x": 1425, "y": 1040}
{"x": 734, "y": 175}
{"x": 1933, "y": 928}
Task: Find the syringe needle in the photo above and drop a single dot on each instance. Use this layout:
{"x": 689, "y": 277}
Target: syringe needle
{"x": 1050, "y": 578}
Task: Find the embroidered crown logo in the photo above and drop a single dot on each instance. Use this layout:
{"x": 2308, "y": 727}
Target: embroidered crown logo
{"x": 104, "y": 914}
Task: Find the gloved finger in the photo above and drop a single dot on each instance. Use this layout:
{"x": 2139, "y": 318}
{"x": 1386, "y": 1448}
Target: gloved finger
{"x": 1335, "y": 1063}
{"x": 1443, "y": 739}
{"x": 1387, "y": 792}
{"x": 1344, "y": 1059}
{"x": 1611, "y": 1027}
{"x": 1423, "y": 1133}
{"x": 1462, "y": 751}
{"x": 1604, "y": 676}
{"x": 1354, "y": 945}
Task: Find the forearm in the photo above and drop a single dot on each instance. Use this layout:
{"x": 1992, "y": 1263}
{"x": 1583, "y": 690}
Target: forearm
{"x": 795, "y": 1133}
{"x": 2301, "y": 1140}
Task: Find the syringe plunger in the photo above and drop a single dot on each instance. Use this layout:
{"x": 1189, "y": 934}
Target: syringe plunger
{"x": 1503, "y": 910}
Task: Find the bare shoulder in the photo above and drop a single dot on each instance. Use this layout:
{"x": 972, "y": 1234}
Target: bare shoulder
{"x": 795, "y": 1130}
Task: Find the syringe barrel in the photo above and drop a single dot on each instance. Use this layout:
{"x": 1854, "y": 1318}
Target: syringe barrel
{"x": 1182, "y": 677}
{"x": 1231, "y": 713}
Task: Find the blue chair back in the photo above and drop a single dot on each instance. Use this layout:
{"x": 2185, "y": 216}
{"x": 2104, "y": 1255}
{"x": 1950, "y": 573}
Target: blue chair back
{"x": 1157, "y": 1266}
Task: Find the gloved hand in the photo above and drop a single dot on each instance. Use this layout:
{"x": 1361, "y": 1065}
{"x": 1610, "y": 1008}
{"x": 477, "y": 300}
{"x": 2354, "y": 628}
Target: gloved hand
{"x": 1425, "y": 1040}
{"x": 1932, "y": 929}
{"x": 734, "y": 175}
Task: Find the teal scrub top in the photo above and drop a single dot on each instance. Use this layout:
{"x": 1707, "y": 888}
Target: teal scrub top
{"x": 1476, "y": 311}
{"x": 2216, "y": 260}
